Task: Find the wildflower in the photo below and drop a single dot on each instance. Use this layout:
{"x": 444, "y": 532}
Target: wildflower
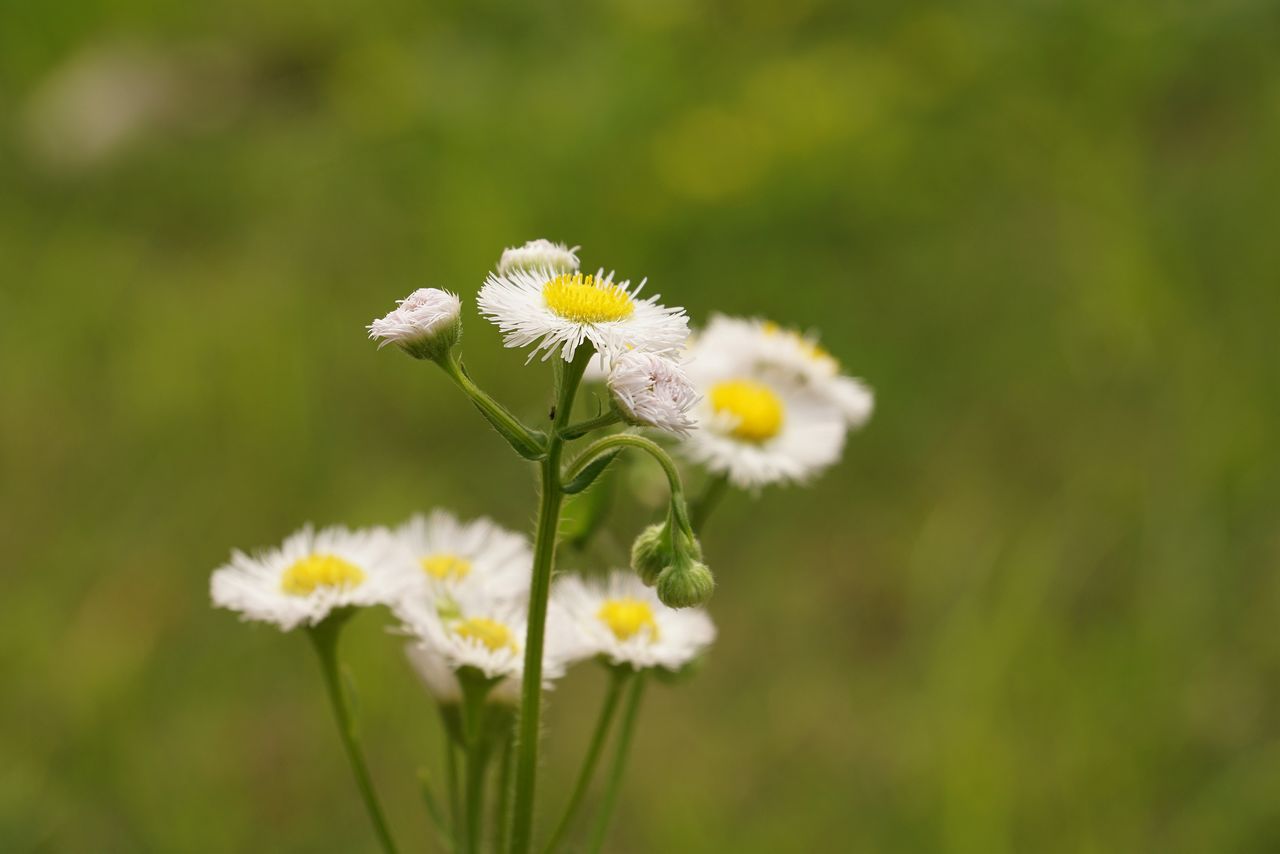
{"x": 310, "y": 575}
{"x": 479, "y": 633}
{"x": 652, "y": 391}
{"x": 476, "y": 558}
{"x": 558, "y": 312}
{"x": 784, "y": 354}
{"x": 539, "y": 256}
{"x": 625, "y": 622}
{"x": 426, "y": 324}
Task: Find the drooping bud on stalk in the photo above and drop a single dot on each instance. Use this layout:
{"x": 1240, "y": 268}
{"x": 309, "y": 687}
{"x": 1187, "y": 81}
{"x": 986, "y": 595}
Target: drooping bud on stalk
{"x": 687, "y": 583}
{"x": 426, "y": 324}
{"x": 651, "y": 553}
{"x": 540, "y": 256}
{"x": 652, "y": 391}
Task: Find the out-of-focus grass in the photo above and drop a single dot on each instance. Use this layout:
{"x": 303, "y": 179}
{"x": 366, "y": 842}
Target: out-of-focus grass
{"x": 1033, "y": 610}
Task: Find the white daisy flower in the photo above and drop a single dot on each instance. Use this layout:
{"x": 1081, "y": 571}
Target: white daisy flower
{"x": 476, "y": 558}
{"x": 424, "y": 324}
{"x": 557, "y": 313}
{"x": 652, "y": 391}
{"x": 623, "y": 620}
{"x": 770, "y": 349}
{"x": 482, "y": 634}
{"x": 310, "y": 575}
{"x": 539, "y": 255}
{"x": 756, "y": 426}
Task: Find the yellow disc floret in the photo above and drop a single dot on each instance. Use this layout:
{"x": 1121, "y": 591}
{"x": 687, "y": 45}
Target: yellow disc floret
{"x": 491, "y": 633}
{"x": 587, "y": 299}
{"x": 320, "y": 571}
{"x": 756, "y": 409}
{"x": 446, "y": 567}
{"x": 626, "y": 618}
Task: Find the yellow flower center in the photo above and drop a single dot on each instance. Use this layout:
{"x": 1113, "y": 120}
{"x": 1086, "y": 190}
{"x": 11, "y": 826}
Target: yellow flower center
{"x": 758, "y": 410}
{"x": 628, "y": 617}
{"x": 491, "y": 633}
{"x": 320, "y": 571}
{"x": 446, "y": 567}
{"x": 586, "y": 299}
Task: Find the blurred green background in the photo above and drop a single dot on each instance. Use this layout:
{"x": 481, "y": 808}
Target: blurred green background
{"x": 1034, "y": 609}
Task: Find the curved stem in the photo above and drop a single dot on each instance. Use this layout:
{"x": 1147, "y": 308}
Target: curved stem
{"x": 617, "y": 680}
{"x": 325, "y": 639}
{"x": 619, "y": 768}
{"x": 712, "y": 492}
{"x": 528, "y": 443}
{"x": 653, "y": 449}
{"x": 569, "y": 375}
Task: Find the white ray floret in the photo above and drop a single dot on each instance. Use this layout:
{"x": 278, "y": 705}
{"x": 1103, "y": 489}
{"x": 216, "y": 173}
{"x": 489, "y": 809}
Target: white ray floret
{"x": 557, "y": 313}
{"x": 652, "y": 391}
{"x": 623, "y": 620}
{"x": 311, "y": 574}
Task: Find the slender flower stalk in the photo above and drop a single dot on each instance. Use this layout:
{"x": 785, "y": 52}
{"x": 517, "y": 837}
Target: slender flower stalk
{"x": 526, "y": 442}
{"x": 616, "y": 773}
{"x": 617, "y": 681}
{"x": 568, "y": 376}
{"x": 324, "y": 637}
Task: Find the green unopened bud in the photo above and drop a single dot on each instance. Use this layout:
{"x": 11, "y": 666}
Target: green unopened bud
{"x": 687, "y": 583}
{"x": 651, "y": 553}
{"x": 427, "y": 324}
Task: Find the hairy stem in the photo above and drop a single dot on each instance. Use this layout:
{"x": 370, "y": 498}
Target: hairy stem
{"x": 544, "y": 553}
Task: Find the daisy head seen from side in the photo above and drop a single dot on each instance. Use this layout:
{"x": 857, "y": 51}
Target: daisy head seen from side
{"x": 623, "y": 621}
{"x": 425, "y": 324}
{"x": 539, "y": 255}
{"x": 557, "y": 311}
{"x": 310, "y": 575}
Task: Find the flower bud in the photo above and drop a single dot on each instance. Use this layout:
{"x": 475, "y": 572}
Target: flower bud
{"x": 652, "y": 391}
{"x": 651, "y": 553}
{"x": 685, "y": 584}
{"x": 539, "y": 256}
{"x": 426, "y": 324}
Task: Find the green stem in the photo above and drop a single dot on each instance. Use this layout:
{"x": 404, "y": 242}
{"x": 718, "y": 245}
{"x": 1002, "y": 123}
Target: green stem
{"x": 569, "y": 375}
{"x": 477, "y": 760}
{"x": 504, "y": 793}
{"x": 325, "y": 639}
{"x": 617, "y": 680}
{"x": 433, "y": 810}
{"x": 618, "y": 770}
{"x": 528, "y": 443}
{"x": 712, "y": 493}
{"x": 582, "y": 428}
{"x": 451, "y": 777}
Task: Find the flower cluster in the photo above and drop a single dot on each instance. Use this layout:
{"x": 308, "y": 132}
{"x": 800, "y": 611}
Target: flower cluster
{"x": 489, "y": 622}
{"x": 460, "y": 591}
